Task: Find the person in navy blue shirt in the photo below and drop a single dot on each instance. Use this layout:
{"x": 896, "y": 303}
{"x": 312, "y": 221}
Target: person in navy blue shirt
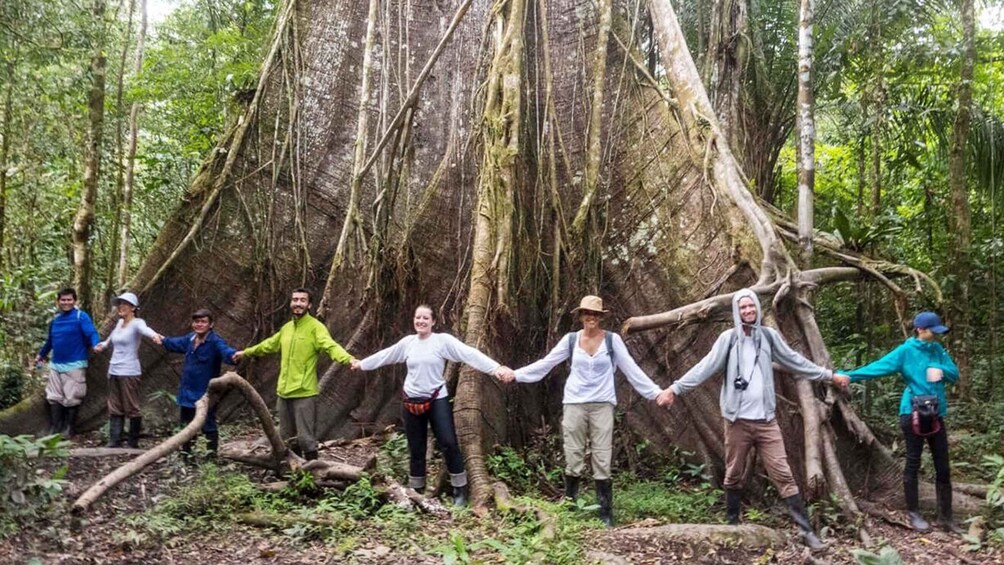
{"x": 205, "y": 352}
{"x": 71, "y": 338}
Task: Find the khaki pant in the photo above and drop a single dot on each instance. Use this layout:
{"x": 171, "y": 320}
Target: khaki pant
{"x": 123, "y": 396}
{"x": 297, "y": 418}
{"x": 592, "y": 420}
{"x": 67, "y": 388}
{"x": 743, "y": 435}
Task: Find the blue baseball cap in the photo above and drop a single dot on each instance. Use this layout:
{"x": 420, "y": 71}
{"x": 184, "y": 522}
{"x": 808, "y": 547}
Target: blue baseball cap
{"x": 929, "y": 321}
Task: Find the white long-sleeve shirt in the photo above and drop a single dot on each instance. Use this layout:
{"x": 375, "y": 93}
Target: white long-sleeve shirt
{"x": 125, "y": 347}
{"x": 592, "y": 376}
{"x": 426, "y": 359}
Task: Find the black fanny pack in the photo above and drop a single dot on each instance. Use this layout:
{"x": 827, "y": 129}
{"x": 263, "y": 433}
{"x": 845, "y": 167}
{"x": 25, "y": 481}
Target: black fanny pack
{"x": 925, "y": 410}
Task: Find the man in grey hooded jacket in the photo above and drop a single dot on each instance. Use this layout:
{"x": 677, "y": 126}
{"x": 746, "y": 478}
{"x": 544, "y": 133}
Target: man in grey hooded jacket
{"x": 748, "y": 403}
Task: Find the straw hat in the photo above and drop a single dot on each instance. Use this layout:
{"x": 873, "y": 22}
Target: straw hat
{"x": 592, "y": 304}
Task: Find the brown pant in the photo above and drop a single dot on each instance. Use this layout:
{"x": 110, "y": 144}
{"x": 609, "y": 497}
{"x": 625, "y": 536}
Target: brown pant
{"x": 123, "y": 396}
{"x": 743, "y": 435}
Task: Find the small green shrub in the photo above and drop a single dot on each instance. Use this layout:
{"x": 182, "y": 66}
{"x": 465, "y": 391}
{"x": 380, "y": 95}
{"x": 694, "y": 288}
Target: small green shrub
{"x": 650, "y": 499}
{"x": 886, "y": 556}
{"x": 27, "y": 491}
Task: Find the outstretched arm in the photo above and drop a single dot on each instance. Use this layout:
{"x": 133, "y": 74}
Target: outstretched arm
{"x": 888, "y": 365}
{"x": 396, "y": 353}
{"x": 793, "y": 361}
{"x": 638, "y": 379}
{"x": 539, "y": 369}
{"x": 712, "y": 364}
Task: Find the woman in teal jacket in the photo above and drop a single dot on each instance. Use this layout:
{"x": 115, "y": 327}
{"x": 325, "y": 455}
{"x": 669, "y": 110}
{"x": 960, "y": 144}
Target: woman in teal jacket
{"x": 925, "y": 367}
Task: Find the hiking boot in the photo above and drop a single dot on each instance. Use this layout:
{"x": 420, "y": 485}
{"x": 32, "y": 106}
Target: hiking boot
{"x": 917, "y": 521}
{"x": 212, "y": 444}
{"x": 571, "y": 487}
{"x": 733, "y": 502}
{"x": 605, "y": 496}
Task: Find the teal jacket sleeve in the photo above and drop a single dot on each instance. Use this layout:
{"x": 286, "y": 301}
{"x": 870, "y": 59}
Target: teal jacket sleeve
{"x": 890, "y": 364}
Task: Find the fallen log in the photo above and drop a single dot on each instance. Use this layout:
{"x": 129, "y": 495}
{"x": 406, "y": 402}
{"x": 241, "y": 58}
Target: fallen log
{"x": 745, "y": 535}
{"x": 216, "y": 389}
{"x": 104, "y": 451}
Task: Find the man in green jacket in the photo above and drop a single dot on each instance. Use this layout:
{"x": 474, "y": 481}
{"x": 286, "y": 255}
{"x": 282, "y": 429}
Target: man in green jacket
{"x": 298, "y": 342}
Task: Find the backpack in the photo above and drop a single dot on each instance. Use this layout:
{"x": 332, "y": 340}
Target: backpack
{"x": 608, "y": 338}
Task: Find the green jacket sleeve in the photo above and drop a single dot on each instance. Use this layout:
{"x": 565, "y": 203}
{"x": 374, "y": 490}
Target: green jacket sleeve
{"x": 323, "y": 342}
{"x": 268, "y": 345}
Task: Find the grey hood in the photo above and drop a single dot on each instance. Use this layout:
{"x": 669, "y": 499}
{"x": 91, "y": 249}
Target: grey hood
{"x": 736, "y": 320}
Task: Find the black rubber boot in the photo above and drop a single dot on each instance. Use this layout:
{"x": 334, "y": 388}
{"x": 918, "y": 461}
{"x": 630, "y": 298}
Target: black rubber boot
{"x": 733, "y": 502}
{"x": 571, "y": 487}
{"x": 944, "y": 521}
{"x": 605, "y": 496}
{"x": 70, "y": 420}
{"x": 115, "y": 424}
{"x": 135, "y": 426}
{"x": 310, "y": 455}
{"x": 55, "y": 418}
{"x": 460, "y": 496}
{"x": 212, "y": 444}
{"x": 797, "y": 510}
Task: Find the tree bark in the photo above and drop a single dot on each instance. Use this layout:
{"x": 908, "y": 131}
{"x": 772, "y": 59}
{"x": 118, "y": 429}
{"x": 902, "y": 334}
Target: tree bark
{"x": 84, "y": 220}
{"x": 806, "y": 131}
{"x": 959, "y": 221}
{"x": 5, "y": 132}
{"x": 128, "y": 186}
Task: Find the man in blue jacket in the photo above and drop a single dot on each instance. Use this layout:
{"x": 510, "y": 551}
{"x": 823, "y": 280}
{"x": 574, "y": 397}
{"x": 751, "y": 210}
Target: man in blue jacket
{"x": 205, "y": 352}
{"x": 71, "y": 338}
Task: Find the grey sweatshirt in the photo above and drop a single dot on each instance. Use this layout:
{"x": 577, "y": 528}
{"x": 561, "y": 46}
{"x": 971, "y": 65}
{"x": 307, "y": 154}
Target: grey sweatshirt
{"x": 725, "y": 355}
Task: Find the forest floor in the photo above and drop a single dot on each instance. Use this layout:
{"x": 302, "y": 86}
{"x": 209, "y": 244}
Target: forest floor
{"x": 179, "y": 513}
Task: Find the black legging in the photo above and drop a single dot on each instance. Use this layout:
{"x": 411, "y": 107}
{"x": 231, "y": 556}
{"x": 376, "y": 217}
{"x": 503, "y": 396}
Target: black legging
{"x": 416, "y": 428}
{"x": 914, "y": 449}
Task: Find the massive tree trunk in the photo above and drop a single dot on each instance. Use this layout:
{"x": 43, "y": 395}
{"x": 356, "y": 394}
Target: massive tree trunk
{"x": 959, "y": 220}
{"x": 84, "y": 220}
{"x": 536, "y": 161}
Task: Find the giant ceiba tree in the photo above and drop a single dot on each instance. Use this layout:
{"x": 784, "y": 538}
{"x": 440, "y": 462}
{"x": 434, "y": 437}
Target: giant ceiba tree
{"x": 496, "y": 160}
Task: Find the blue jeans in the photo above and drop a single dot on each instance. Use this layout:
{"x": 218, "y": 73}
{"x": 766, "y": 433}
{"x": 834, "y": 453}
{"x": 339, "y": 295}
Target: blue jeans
{"x": 416, "y": 429}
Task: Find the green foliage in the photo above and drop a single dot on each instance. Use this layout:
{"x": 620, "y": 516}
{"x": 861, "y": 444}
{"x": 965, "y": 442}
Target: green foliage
{"x": 392, "y": 460}
{"x": 523, "y": 472}
{"x": 886, "y": 556}
{"x": 671, "y": 502}
{"x": 26, "y": 491}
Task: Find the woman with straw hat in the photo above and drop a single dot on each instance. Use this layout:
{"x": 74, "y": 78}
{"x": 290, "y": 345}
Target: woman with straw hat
{"x": 590, "y": 397}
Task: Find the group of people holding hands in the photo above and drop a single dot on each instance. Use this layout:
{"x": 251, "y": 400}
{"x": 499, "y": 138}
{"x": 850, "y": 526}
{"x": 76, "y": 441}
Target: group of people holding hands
{"x": 745, "y": 354}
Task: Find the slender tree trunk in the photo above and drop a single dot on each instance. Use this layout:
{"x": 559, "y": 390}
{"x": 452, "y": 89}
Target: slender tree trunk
{"x": 726, "y": 57}
{"x": 130, "y": 165}
{"x": 84, "y": 220}
{"x": 4, "y": 154}
{"x": 806, "y": 132}
{"x": 120, "y": 119}
{"x": 959, "y": 220}
{"x": 878, "y": 108}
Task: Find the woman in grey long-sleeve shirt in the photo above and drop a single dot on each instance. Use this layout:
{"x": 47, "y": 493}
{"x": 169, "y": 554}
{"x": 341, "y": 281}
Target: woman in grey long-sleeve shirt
{"x": 124, "y": 370}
